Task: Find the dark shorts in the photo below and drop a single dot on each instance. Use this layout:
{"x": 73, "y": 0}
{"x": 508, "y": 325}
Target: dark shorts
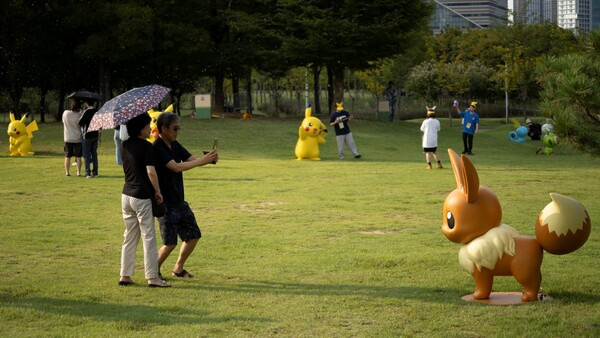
{"x": 73, "y": 149}
{"x": 180, "y": 221}
{"x": 430, "y": 150}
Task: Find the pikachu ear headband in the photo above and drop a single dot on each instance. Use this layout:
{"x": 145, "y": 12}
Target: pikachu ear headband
{"x": 430, "y": 111}
{"x": 474, "y": 104}
{"x": 339, "y": 105}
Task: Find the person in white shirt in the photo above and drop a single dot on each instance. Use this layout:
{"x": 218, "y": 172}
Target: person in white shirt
{"x": 430, "y": 128}
{"x": 72, "y": 137}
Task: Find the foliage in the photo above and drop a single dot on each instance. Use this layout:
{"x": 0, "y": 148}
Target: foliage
{"x": 571, "y": 95}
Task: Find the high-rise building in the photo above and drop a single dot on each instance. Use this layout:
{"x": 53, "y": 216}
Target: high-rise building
{"x": 574, "y": 15}
{"x": 444, "y": 17}
{"x": 595, "y": 14}
{"x": 549, "y": 10}
{"x": 527, "y": 11}
{"x": 484, "y": 13}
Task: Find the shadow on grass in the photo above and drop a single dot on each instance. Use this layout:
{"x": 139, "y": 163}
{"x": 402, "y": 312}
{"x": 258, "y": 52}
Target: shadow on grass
{"x": 132, "y": 317}
{"x": 434, "y": 295}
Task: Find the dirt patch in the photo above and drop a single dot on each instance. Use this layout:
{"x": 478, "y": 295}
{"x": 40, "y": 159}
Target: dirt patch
{"x": 377, "y": 232}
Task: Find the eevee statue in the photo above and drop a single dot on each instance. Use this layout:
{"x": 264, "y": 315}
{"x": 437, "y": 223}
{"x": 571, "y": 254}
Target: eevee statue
{"x": 472, "y": 217}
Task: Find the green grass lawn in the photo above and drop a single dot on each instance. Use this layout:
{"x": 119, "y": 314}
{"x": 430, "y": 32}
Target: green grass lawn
{"x": 290, "y": 248}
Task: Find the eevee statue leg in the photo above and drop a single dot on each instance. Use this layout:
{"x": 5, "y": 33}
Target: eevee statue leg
{"x": 484, "y": 280}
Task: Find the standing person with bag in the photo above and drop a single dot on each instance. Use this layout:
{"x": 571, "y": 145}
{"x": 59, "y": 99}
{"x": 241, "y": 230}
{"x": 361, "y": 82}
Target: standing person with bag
{"x": 140, "y": 189}
{"x": 72, "y": 137}
{"x": 171, "y": 160}
{"x": 90, "y": 139}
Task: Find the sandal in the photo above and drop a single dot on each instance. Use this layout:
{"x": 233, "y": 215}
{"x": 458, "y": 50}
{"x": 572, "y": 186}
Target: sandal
{"x": 161, "y": 284}
{"x": 182, "y": 274}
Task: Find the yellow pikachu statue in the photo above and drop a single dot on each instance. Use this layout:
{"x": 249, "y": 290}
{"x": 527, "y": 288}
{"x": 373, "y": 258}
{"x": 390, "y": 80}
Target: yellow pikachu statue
{"x": 311, "y": 133}
{"x": 20, "y": 136}
{"x": 154, "y": 115}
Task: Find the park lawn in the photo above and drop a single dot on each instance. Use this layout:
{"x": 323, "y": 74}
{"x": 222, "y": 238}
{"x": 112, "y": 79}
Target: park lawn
{"x": 290, "y": 248}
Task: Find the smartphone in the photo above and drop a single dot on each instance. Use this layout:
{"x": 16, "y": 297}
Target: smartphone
{"x": 215, "y": 143}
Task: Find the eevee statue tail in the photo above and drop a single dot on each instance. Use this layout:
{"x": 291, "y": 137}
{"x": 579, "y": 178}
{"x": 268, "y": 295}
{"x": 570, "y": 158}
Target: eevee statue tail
{"x": 472, "y": 217}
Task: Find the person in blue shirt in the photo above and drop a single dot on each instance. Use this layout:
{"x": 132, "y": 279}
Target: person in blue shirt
{"x": 470, "y": 124}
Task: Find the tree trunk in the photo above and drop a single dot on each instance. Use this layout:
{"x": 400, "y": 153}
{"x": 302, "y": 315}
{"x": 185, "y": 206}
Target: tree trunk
{"x": 235, "y": 86}
{"x": 330, "y": 97}
{"x": 249, "y": 93}
{"x": 43, "y": 92}
{"x": 338, "y": 73}
{"x": 16, "y": 92}
{"x": 219, "y": 95}
{"x": 104, "y": 80}
{"x": 317, "y": 88}
{"x": 61, "y": 103}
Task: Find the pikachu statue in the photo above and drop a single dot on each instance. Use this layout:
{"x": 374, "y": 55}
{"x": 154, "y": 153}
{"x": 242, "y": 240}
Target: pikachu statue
{"x": 20, "y": 136}
{"x": 311, "y": 133}
{"x": 153, "y": 128}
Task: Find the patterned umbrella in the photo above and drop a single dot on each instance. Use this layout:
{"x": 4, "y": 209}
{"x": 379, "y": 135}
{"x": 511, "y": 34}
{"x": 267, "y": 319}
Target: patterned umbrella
{"x": 128, "y": 105}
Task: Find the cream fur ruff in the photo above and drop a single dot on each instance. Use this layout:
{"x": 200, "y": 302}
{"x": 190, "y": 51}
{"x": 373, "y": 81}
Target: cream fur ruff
{"x": 488, "y": 249}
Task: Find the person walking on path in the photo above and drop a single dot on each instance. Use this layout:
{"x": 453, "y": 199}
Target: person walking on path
{"x": 339, "y": 119}
{"x": 172, "y": 159}
{"x": 430, "y": 128}
{"x": 470, "y": 125}
{"x": 140, "y": 187}
{"x": 72, "y": 137}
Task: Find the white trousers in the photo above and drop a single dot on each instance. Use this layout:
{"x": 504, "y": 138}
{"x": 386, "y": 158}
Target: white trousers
{"x": 346, "y": 139}
{"x": 139, "y": 222}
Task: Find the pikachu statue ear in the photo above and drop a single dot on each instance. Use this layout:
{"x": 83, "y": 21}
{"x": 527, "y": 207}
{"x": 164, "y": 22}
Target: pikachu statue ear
{"x": 24, "y": 118}
{"x": 465, "y": 174}
{"x": 12, "y": 117}
{"x": 308, "y": 112}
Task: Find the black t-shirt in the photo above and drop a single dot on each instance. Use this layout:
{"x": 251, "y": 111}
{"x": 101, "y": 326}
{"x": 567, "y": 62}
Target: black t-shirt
{"x": 171, "y": 183}
{"x": 84, "y": 123}
{"x": 137, "y": 154}
{"x": 346, "y": 129}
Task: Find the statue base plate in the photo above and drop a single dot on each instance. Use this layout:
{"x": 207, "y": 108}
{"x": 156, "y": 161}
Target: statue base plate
{"x": 504, "y": 298}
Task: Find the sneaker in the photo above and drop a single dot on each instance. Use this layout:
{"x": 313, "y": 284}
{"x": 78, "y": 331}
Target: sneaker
{"x": 358, "y": 156}
{"x": 428, "y": 166}
{"x": 470, "y": 153}
{"x": 440, "y": 166}
{"x": 88, "y": 176}
{"x": 464, "y": 152}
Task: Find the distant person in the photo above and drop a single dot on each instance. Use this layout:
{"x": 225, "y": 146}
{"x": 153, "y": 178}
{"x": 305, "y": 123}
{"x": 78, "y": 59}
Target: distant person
{"x": 470, "y": 125}
{"x": 430, "y": 128}
{"x": 391, "y": 95}
{"x": 171, "y": 160}
{"x": 90, "y": 140}
{"x": 534, "y": 130}
{"x": 72, "y": 137}
{"x": 140, "y": 187}
{"x": 339, "y": 119}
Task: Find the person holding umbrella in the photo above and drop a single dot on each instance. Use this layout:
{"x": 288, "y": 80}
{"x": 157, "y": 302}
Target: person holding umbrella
{"x": 171, "y": 160}
{"x": 140, "y": 187}
{"x": 72, "y": 136}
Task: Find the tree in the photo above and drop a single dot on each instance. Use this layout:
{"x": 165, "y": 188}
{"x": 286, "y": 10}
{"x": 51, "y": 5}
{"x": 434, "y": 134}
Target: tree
{"x": 571, "y": 95}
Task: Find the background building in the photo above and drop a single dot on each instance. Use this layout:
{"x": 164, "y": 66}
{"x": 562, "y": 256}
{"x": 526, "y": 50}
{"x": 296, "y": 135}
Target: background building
{"x": 444, "y": 17}
{"x": 574, "y": 15}
{"x": 484, "y": 13}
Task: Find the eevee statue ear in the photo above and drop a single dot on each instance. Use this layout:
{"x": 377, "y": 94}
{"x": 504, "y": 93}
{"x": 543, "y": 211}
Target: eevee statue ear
{"x": 465, "y": 174}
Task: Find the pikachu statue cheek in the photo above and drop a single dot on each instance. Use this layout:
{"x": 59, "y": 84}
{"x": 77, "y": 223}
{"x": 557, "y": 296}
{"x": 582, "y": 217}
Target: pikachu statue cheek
{"x": 20, "y": 136}
{"x": 311, "y": 133}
